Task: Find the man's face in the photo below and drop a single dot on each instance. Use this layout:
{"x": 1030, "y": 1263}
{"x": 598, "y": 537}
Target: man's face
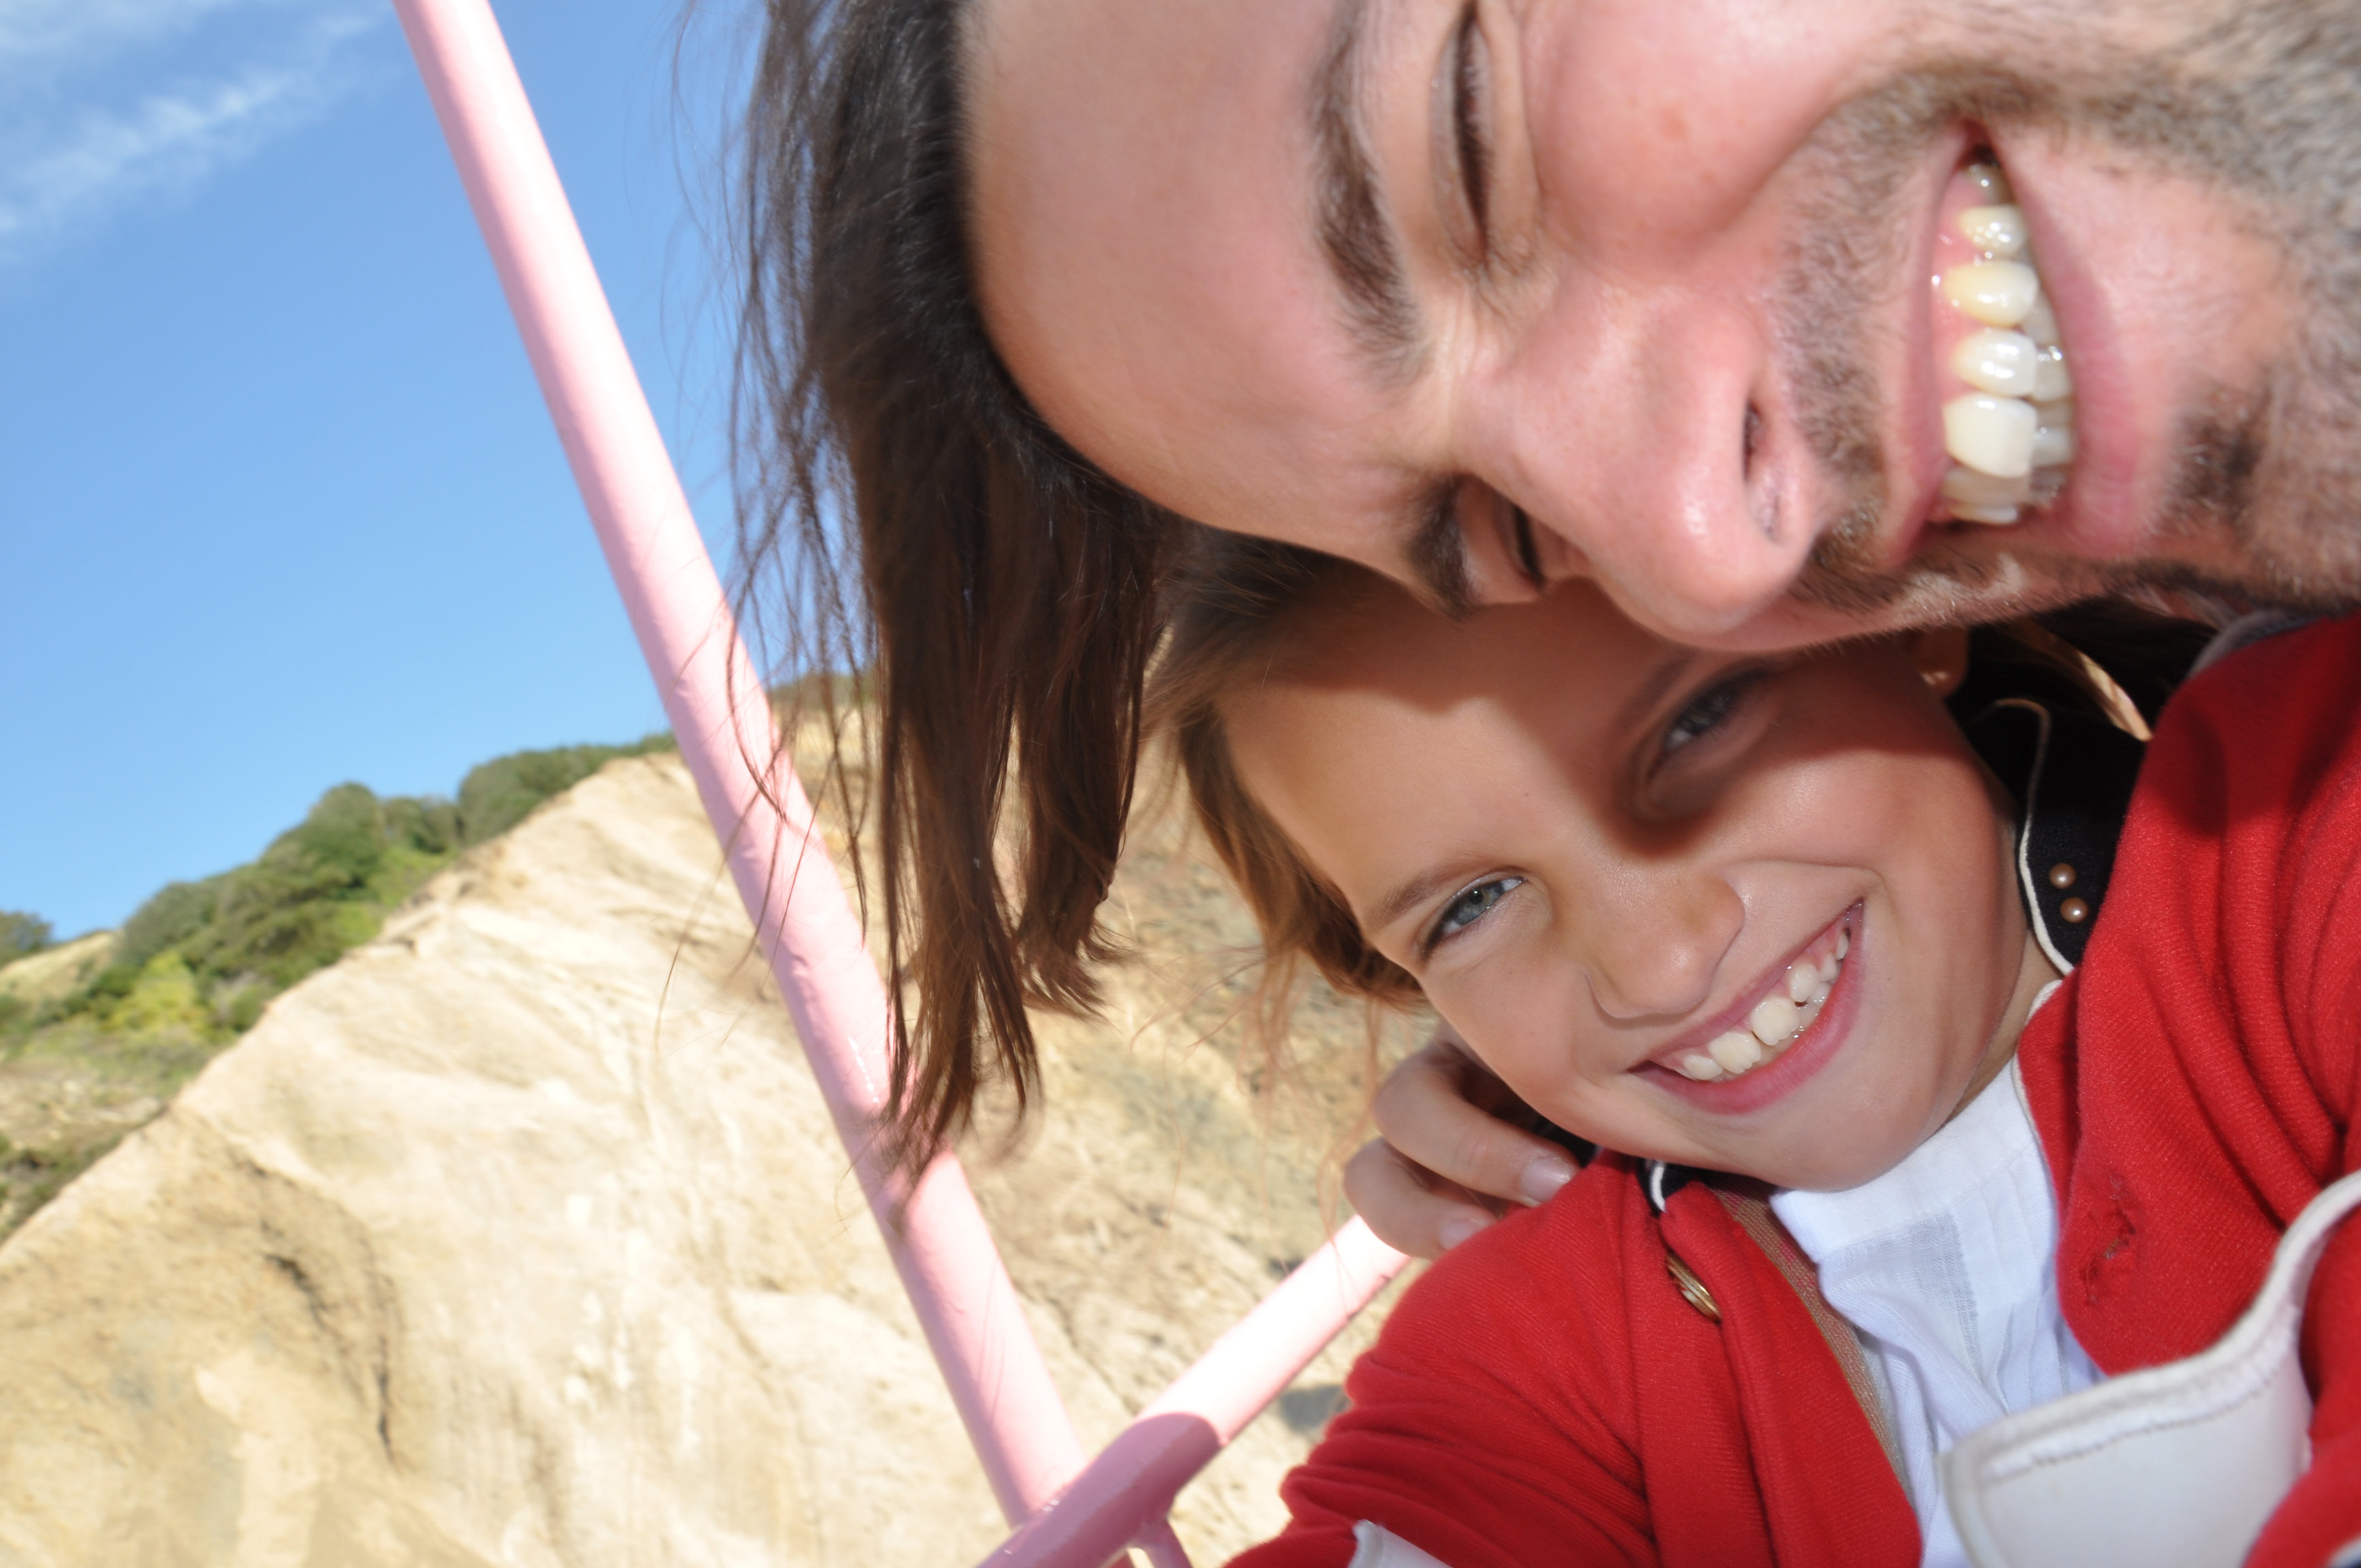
{"x": 1486, "y": 294}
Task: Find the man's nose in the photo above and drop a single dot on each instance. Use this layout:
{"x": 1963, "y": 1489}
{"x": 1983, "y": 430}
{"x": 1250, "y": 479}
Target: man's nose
{"x": 1654, "y": 945}
{"x": 1639, "y": 437}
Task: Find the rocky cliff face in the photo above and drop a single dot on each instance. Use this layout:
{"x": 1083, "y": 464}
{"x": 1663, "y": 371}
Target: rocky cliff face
{"x": 521, "y": 1237}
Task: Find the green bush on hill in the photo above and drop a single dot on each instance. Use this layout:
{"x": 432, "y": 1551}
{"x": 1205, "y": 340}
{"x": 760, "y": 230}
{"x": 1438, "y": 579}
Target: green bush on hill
{"x": 21, "y": 935}
{"x": 200, "y": 959}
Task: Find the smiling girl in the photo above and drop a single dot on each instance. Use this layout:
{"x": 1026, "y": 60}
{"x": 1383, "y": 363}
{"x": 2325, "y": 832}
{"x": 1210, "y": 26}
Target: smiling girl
{"x": 1770, "y": 930}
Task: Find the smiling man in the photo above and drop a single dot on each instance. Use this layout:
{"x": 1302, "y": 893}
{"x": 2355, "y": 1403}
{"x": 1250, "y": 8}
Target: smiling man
{"x": 1780, "y": 321}
{"x": 1484, "y": 295}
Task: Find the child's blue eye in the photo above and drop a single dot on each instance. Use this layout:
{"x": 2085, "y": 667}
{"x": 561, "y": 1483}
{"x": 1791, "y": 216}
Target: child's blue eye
{"x": 1702, "y": 715}
{"x": 1472, "y": 905}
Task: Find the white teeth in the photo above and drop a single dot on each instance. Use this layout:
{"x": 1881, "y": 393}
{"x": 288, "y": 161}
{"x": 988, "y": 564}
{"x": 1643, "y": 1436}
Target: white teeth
{"x": 1995, "y": 436}
{"x": 1774, "y": 1019}
{"x": 1992, "y": 436}
{"x": 1844, "y": 943}
{"x": 2007, "y": 364}
{"x": 1970, "y": 488}
{"x": 1997, "y": 231}
{"x": 1997, "y": 293}
{"x": 1985, "y": 498}
{"x": 1735, "y": 1052}
{"x": 2040, "y": 324}
{"x": 1988, "y": 178}
{"x": 2053, "y": 443}
{"x": 2050, "y": 381}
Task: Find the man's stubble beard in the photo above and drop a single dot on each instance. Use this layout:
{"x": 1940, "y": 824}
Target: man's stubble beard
{"x": 2264, "y": 107}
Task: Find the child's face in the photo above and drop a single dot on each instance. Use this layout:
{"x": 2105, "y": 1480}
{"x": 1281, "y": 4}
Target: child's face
{"x": 1602, "y": 854}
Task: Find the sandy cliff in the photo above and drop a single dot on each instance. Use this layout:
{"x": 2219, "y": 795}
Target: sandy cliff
{"x": 520, "y": 1237}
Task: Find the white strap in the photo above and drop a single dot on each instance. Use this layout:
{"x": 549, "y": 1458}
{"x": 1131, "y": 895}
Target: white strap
{"x": 2176, "y": 1467}
{"x": 1381, "y": 1548}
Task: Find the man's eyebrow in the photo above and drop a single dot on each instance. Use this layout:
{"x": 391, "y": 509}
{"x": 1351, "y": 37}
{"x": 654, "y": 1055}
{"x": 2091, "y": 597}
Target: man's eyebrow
{"x": 1354, "y": 234}
{"x": 1436, "y": 553}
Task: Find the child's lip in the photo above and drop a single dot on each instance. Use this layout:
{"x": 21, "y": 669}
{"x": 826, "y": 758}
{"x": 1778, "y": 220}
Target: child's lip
{"x": 1699, "y": 1035}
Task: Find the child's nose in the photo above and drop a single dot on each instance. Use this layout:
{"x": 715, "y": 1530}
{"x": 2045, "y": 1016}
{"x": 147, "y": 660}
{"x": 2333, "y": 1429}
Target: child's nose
{"x": 1655, "y": 952}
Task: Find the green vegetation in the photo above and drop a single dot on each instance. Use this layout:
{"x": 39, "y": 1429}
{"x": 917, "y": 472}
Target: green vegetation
{"x": 21, "y": 936}
{"x": 194, "y": 967}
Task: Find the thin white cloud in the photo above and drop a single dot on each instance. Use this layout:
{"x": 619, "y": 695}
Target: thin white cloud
{"x": 51, "y": 33}
{"x": 151, "y": 127}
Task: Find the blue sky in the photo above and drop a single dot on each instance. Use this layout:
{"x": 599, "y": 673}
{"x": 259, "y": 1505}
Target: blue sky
{"x": 280, "y": 506}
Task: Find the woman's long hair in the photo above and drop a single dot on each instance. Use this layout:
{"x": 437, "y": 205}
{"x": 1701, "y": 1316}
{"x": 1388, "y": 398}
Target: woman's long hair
{"x": 905, "y": 515}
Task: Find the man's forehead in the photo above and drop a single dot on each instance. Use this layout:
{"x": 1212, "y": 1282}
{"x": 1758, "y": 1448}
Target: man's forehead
{"x": 1145, "y": 243}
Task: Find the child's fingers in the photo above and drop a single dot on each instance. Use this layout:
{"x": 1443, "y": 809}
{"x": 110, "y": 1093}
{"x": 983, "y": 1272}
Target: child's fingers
{"x": 1409, "y": 1208}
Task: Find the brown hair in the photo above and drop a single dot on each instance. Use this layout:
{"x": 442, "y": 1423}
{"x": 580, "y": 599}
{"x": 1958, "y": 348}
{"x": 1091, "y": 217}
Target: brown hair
{"x": 1007, "y": 597}
{"x": 1240, "y": 597}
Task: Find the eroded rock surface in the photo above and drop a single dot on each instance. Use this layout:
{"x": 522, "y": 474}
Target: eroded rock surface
{"x": 521, "y": 1237}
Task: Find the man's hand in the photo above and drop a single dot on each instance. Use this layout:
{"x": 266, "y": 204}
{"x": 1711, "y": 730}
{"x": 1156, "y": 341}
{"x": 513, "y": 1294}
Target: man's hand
{"x": 1447, "y": 1166}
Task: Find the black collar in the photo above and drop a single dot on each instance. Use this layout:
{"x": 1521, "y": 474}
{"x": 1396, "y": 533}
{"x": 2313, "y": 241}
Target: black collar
{"x": 2072, "y": 776}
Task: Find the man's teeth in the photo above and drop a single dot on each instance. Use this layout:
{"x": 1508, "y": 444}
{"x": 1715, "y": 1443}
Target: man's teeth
{"x": 1776, "y": 1020}
{"x": 1992, "y": 436}
{"x": 1997, "y": 293}
{"x": 2010, "y": 436}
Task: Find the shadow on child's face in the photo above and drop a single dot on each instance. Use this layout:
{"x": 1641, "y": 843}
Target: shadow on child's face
{"x": 1600, "y": 853}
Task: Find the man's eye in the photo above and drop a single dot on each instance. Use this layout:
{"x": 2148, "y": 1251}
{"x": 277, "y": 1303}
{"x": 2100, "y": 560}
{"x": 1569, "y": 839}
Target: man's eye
{"x": 1470, "y": 905}
{"x": 1471, "y": 93}
{"x": 1711, "y": 708}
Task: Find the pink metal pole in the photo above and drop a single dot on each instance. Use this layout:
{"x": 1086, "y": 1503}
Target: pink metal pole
{"x": 948, "y": 1265}
{"x": 1128, "y": 1488}
{"x": 953, "y": 1274}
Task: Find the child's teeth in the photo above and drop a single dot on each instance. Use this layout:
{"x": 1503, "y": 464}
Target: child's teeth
{"x": 1844, "y": 943}
{"x": 1774, "y": 1019}
{"x": 1700, "y": 1065}
{"x": 1735, "y": 1052}
{"x": 1777, "y": 1019}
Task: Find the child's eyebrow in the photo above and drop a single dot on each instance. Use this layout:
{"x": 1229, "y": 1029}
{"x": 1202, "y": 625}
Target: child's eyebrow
{"x": 1409, "y": 894}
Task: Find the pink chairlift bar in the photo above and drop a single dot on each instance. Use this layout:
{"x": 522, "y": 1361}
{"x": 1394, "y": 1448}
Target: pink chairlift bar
{"x": 957, "y": 1283}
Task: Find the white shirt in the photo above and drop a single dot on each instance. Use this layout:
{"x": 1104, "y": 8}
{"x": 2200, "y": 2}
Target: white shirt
{"x": 1946, "y": 1265}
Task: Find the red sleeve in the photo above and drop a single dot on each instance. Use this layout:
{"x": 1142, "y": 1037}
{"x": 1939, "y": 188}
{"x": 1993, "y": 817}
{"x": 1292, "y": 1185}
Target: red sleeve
{"x": 1490, "y": 1426}
{"x": 2208, "y": 1091}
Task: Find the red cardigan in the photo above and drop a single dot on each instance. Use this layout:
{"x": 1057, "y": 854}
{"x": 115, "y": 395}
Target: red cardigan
{"x": 1548, "y": 1394}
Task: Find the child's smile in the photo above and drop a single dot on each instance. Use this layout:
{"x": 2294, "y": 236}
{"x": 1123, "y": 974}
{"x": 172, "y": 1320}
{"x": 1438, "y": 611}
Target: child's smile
{"x": 1770, "y": 1039}
{"x": 1752, "y": 914}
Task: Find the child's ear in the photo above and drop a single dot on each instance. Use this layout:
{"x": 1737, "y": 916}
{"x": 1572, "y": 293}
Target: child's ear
{"x": 1939, "y": 653}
